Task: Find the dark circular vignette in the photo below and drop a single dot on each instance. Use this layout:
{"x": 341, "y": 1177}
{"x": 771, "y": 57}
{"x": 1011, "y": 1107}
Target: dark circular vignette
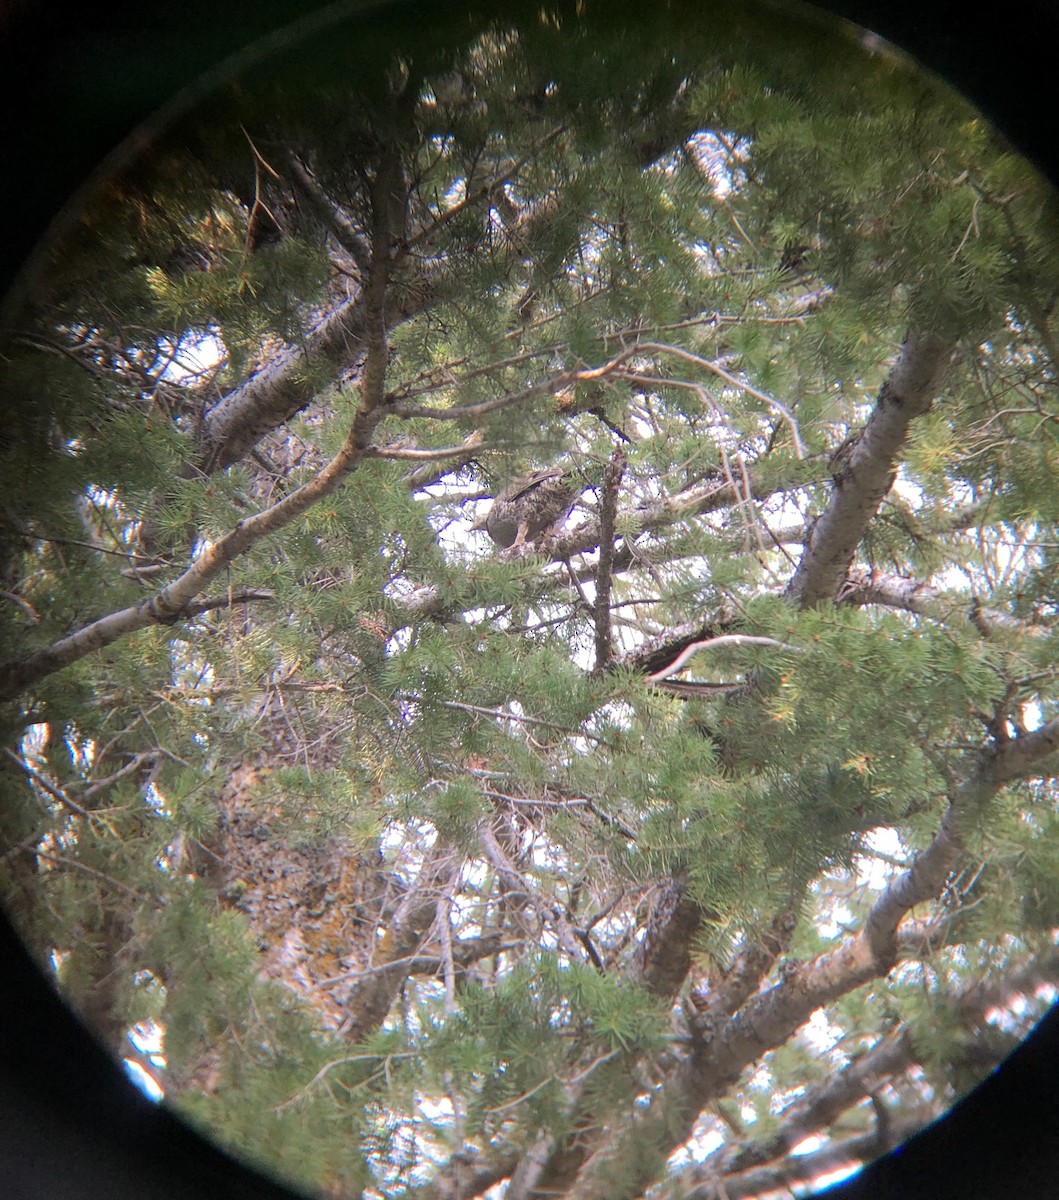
{"x": 75, "y": 83}
{"x": 77, "y": 80}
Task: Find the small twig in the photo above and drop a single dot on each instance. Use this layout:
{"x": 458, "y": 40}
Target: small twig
{"x": 608, "y": 508}
{"x": 259, "y": 157}
{"x": 60, "y": 860}
{"x": 521, "y": 1099}
{"x": 137, "y": 761}
{"x": 445, "y": 375}
{"x": 517, "y": 882}
{"x": 501, "y": 715}
{"x": 721, "y": 373}
{"x": 581, "y": 1076}
{"x": 302, "y": 1093}
{"x": 551, "y": 386}
{"x": 59, "y": 541}
{"x": 607, "y": 819}
{"x": 229, "y": 601}
{"x": 418, "y": 963}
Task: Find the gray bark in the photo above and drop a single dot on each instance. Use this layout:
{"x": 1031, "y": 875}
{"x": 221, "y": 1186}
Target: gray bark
{"x": 864, "y": 470}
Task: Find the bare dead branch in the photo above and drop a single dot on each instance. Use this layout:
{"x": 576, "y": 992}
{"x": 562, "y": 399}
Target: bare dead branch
{"x": 724, "y": 639}
{"x": 718, "y": 370}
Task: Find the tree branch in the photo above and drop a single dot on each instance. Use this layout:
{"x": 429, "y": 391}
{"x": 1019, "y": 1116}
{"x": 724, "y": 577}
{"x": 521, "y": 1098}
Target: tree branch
{"x": 716, "y": 369}
{"x": 720, "y": 1055}
{"x": 550, "y": 386}
{"x": 710, "y": 496}
{"x": 863, "y": 587}
{"x": 805, "y": 1168}
{"x": 515, "y": 881}
{"x": 373, "y": 992}
{"x": 1019, "y": 757}
{"x": 170, "y": 604}
{"x": 607, "y": 509}
{"x": 890, "y": 1057}
{"x": 663, "y": 957}
{"x": 864, "y": 471}
{"x": 330, "y": 213}
{"x": 727, "y": 994}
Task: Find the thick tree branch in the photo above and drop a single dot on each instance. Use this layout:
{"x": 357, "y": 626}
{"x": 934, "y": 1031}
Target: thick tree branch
{"x": 400, "y": 453}
{"x": 863, "y": 587}
{"x": 330, "y": 213}
{"x": 727, "y": 993}
{"x": 290, "y": 382}
{"x": 338, "y": 341}
{"x": 889, "y": 1058}
{"x": 861, "y": 482}
{"x": 171, "y": 603}
{"x": 372, "y": 994}
{"x": 721, "y": 1055}
{"x": 1020, "y": 757}
{"x": 655, "y": 653}
{"x": 864, "y": 469}
{"x": 663, "y": 957}
{"x": 805, "y": 1168}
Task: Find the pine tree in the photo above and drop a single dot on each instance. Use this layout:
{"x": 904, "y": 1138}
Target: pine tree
{"x": 715, "y": 813}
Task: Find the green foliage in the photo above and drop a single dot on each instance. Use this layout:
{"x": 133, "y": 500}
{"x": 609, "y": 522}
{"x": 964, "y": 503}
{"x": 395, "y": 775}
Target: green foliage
{"x": 548, "y": 1020}
{"x": 393, "y": 779}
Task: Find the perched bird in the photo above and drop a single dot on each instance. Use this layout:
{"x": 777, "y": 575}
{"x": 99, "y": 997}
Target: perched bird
{"x": 529, "y": 507}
